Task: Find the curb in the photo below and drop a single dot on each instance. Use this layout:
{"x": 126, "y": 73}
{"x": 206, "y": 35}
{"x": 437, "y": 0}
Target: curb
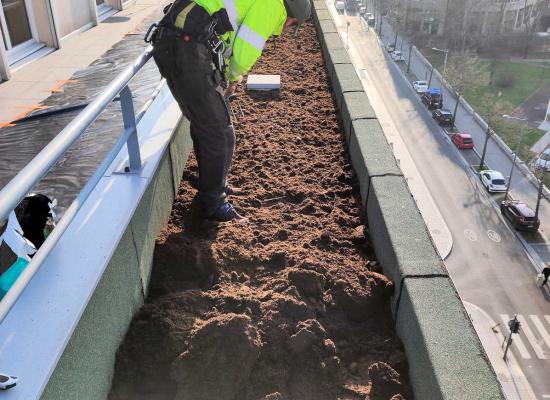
{"x": 440, "y": 346}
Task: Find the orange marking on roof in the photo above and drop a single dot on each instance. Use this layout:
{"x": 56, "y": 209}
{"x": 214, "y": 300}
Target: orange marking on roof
{"x": 26, "y": 111}
{"x": 59, "y": 85}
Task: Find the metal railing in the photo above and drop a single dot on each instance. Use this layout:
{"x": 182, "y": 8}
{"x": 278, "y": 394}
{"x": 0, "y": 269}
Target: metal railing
{"x": 22, "y": 184}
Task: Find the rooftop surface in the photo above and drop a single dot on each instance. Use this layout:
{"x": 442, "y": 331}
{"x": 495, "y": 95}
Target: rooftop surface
{"x": 35, "y": 81}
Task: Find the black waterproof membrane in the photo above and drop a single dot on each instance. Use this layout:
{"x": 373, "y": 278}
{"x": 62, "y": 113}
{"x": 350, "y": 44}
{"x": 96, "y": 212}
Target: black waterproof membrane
{"x": 20, "y": 143}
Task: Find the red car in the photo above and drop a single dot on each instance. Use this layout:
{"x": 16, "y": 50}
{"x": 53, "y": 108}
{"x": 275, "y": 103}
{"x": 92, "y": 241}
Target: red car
{"x": 463, "y": 141}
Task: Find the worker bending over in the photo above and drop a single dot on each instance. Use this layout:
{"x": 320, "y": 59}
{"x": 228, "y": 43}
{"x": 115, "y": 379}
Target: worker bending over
{"x": 203, "y": 48}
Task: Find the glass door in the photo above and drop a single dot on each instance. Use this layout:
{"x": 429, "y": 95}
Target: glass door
{"x": 103, "y": 9}
{"x": 17, "y": 28}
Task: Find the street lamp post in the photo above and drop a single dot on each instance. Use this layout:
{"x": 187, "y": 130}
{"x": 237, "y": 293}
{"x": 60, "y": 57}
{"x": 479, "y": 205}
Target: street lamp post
{"x": 488, "y": 134}
{"x": 444, "y": 63}
{"x": 539, "y": 196}
{"x": 515, "y": 154}
{"x": 409, "y": 61}
{"x": 456, "y": 108}
{"x": 541, "y": 184}
{"x": 431, "y": 74}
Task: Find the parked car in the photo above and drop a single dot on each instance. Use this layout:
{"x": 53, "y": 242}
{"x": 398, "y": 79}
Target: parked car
{"x": 367, "y": 15}
{"x": 351, "y": 6}
{"x": 390, "y": 48}
{"x": 340, "y": 6}
{"x": 520, "y": 215}
{"x": 420, "y": 86}
{"x": 463, "y": 141}
{"x": 397, "y": 56}
{"x": 362, "y": 10}
{"x": 433, "y": 98}
{"x": 493, "y": 181}
{"x": 371, "y": 21}
{"x": 443, "y": 116}
{"x": 543, "y": 162}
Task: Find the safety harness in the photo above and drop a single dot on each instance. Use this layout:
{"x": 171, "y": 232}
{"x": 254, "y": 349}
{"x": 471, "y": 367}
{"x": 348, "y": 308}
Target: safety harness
{"x": 186, "y": 21}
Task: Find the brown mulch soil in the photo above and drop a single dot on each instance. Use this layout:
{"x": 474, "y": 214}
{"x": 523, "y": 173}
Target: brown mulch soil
{"x": 290, "y": 306}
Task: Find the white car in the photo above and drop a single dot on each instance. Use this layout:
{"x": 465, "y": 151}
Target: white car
{"x": 397, "y": 56}
{"x": 493, "y": 180}
{"x": 543, "y": 162}
{"x": 368, "y": 15}
{"x": 390, "y": 48}
{"x": 420, "y": 86}
{"x": 340, "y": 5}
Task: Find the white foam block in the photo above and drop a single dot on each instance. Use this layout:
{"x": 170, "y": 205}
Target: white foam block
{"x": 263, "y": 82}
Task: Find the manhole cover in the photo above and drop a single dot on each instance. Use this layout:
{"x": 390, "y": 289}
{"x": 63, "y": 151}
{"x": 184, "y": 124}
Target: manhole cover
{"x": 495, "y": 237}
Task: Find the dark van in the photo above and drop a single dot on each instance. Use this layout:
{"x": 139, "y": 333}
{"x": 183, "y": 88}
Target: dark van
{"x": 433, "y": 98}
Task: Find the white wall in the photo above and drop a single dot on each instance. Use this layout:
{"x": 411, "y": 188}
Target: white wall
{"x": 72, "y": 15}
{"x": 43, "y": 22}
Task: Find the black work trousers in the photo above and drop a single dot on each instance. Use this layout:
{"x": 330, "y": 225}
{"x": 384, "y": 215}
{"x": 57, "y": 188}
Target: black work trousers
{"x": 189, "y": 72}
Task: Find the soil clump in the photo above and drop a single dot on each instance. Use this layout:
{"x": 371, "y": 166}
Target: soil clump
{"x": 291, "y": 305}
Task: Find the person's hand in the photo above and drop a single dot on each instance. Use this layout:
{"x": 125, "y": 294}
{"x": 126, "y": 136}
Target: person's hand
{"x": 232, "y": 87}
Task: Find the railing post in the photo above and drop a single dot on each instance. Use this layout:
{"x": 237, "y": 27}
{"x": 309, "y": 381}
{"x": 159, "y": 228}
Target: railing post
{"x": 129, "y": 118}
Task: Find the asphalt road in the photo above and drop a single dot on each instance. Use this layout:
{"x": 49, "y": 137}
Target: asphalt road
{"x": 488, "y": 264}
{"x": 521, "y": 187}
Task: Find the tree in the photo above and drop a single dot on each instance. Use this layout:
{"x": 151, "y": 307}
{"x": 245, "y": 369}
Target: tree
{"x": 530, "y": 15}
{"x": 464, "y": 71}
{"x": 491, "y": 108}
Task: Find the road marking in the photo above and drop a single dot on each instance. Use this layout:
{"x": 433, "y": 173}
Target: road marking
{"x": 542, "y": 331}
{"x": 471, "y": 235}
{"x": 546, "y": 396}
{"x": 533, "y": 341}
{"x": 518, "y": 343}
{"x": 495, "y": 237}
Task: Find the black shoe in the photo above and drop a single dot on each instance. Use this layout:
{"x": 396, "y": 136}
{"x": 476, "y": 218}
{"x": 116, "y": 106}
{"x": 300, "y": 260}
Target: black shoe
{"x": 226, "y": 213}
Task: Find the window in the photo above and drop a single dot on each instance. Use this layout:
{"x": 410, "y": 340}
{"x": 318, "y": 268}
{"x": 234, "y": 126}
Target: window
{"x": 15, "y": 22}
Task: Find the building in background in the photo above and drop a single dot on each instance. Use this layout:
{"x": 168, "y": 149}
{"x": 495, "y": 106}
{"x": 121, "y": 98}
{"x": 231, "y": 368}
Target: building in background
{"x": 438, "y": 17}
{"x": 30, "y": 29}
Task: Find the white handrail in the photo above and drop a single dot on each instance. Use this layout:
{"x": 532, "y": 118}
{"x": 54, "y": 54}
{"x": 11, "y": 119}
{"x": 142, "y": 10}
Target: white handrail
{"x": 22, "y": 184}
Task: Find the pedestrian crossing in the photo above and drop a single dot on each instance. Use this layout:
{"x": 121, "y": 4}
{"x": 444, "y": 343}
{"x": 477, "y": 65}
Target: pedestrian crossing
{"x": 533, "y": 341}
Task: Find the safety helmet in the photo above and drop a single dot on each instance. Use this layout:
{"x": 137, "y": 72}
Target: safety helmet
{"x": 299, "y": 9}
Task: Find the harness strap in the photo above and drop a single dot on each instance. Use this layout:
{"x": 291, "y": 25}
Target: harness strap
{"x": 182, "y": 16}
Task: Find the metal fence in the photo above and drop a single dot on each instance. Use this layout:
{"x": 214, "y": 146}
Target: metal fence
{"x": 22, "y": 184}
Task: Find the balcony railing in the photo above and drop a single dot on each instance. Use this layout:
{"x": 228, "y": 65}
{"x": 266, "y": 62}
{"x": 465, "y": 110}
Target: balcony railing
{"x": 23, "y": 183}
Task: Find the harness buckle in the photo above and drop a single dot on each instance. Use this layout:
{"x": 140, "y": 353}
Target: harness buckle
{"x": 151, "y": 32}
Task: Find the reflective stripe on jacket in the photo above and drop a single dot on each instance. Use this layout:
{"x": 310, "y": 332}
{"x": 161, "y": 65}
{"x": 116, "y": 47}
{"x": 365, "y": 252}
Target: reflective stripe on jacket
{"x": 253, "y": 21}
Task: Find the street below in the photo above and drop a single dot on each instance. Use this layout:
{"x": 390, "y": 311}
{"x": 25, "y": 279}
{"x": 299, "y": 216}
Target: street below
{"x": 488, "y": 263}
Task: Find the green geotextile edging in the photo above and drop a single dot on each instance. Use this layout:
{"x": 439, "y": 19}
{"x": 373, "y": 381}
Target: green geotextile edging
{"x": 85, "y": 369}
{"x": 446, "y": 360}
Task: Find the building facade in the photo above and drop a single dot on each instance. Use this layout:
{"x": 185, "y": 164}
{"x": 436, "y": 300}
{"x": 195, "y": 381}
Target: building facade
{"x": 33, "y": 28}
{"x": 475, "y": 16}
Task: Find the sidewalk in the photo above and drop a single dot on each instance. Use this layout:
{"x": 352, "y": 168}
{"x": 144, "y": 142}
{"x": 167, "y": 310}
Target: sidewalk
{"x": 36, "y": 81}
{"x": 492, "y": 335}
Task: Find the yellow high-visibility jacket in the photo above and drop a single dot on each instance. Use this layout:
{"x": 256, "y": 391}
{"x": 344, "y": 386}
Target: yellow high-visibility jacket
{"x": 253, "y": 21}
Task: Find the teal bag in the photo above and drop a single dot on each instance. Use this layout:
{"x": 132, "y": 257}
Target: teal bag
{"x": 9, "y": 277}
